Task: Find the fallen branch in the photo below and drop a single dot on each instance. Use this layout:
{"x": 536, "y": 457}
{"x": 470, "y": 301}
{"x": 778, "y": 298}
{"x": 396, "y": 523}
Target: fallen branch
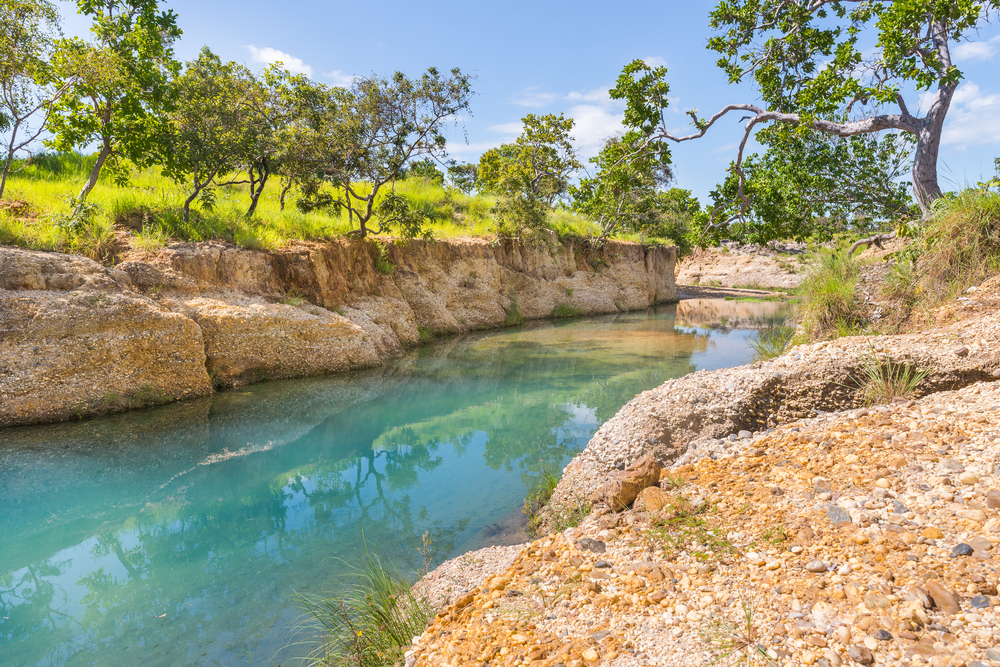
{"x": 877, "y": 240}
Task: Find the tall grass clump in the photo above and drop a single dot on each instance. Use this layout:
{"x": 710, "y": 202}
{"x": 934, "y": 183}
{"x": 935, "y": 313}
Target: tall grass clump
{"x": 771, "y": 342}
{"x": 831, "y": 305}
{"x": 538, "y": 496}
{"x": 373, "y": 623}
{"x": 961, "y": 244}
{"x": 881, "y": 380}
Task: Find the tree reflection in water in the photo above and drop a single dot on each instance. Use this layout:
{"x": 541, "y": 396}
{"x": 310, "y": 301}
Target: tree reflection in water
{"x": 178, "y": 535}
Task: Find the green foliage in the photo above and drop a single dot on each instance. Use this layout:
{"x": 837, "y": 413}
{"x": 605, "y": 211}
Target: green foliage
{"x": 382, "y": 263}
{"x": 771, "y": 342}
{"x": 564, "y": 310}
{"x": 538, "y": 496}
{"x": 808, "y": 184}
{"x": 426, "y": 169}
{"x": 831, "y": 303}
{"x": 463, "y": 175}
{"x": 379, "y": 126}
{"x": 373, "y": 623}
{"x": 27, "y": 32}
{"x": 514, "y": 315}
{"x": 529, "y": 175}
{"x": 118, "y": 85}
{"x": 881, "y": 380}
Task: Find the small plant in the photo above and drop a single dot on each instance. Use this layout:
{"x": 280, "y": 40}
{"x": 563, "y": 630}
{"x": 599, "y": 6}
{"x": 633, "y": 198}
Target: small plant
{"x": 831, "y": 303}
{"x": 569, "y": 291}
{"x": 564, "y": 310}
{"x": 514, "y": 316}
{"x": 736, "y": 642}
{"x": 293, "y": 298}
{"x": 372, "y": 623}
{"x": 771, "y": 342}
{"x": 881, "y": 380}
{"x": 382, "y": 263}
{"x": 562, "y": 518}
{"x": 426, "y": 335}
{"x": 538, "y": 497}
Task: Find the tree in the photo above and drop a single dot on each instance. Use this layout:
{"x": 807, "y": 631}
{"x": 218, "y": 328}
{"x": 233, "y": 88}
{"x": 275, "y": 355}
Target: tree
{"x": 812, "y": 184}
{"x": 207, "y": 133}
{"x": 806, "y": 58}
{"x": 426, "y": 169}
{"x": 462, "y": 176}
{"x": 383, "y": 124}
{"x": 27, "y": 32}
{"x": 531, "y": 174}
{"x": 122, "y": 89}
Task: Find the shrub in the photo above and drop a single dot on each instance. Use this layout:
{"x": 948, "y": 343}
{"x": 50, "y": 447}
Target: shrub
{"x": 881, "y": 380}
{"x": 831, "y": 303}
{"x": 564, "y": 310}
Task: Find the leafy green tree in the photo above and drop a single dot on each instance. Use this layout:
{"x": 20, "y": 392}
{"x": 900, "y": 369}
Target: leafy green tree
{"x": 208, "y": 133}
{"x": 812, "y": 184}
{"x": 121, "y": 90}
{"x": 462, "y": 176}
{"x": 807, "y": 62}
{"x": 28, "y": 29}
{"x": 426, "y": 169}
{"x": 531, "y": 174}
{"x": 382, "y": 125}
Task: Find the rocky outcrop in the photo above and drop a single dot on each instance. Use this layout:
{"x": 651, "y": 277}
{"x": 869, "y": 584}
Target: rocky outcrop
{"x": 733, "y": 265}
{"x": 81, "y": 339}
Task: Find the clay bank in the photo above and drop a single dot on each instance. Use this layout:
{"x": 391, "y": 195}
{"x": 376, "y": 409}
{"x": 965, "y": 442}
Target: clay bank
{"x": 78, "y": 338}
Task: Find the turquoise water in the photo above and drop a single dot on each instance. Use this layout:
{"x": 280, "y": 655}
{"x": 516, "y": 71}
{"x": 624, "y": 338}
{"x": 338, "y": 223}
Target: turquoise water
{"x": 179, "y": 535}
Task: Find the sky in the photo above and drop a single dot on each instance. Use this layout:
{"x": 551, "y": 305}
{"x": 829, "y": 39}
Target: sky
{"x": 541, "y": 56}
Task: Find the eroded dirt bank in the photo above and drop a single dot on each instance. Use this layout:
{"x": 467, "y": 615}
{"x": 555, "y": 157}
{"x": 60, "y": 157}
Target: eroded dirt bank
{"x": 81, "y": 339}
{"x": 854, "y": 536}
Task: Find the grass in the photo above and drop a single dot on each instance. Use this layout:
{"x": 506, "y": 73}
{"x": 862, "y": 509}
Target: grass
{"x": 372, "y": 624}
{"x": 881, "y": 380}
{"x": 684, "y": 525}
{"x": 514, "y": 315}
{"x": 771, "y": 342}
{"x": 538, "y": 496}
{"x": 149, "y": 208}
{"x": 832, "y": 305}
{"x": 735, "y": 642}
{"x": 565, "y": 310}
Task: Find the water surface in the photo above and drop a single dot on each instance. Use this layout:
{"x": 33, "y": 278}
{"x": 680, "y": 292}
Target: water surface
{"x": 178, "y": 535}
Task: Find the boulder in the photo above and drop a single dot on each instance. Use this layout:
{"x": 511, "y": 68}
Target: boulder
{"x": 653, "y": 499}
{"x": 620, "y": 492}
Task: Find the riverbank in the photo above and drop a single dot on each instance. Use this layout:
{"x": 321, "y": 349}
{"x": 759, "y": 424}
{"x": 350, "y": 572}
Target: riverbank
{"x": 876, "y": 546}
{"x": 81, "y": 339}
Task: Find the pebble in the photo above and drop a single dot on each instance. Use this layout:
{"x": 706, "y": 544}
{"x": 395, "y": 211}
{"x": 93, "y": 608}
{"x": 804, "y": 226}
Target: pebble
{"x": 961, "y": 550}
{"x": 883, "y": 635}
{"x": 979, "y": 602}
{"x": 861, "y": 655}
{"x": 968, "y": 478}
{"x": 816, "y": 566}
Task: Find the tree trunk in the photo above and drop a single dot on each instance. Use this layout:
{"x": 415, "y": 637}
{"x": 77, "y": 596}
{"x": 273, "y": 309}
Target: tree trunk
{"x": 96, "y": 171}
{"x": 10, "y": 158}
{"x": 284, "y": 191}
{"x": 925, "y": 159}
{"x": 257, "y": 186}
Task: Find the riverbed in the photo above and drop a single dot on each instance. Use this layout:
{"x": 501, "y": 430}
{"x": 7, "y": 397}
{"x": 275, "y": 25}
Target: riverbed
{"x": 181, "y": 534}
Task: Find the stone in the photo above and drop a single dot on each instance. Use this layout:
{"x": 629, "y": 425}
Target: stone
{"x": 979, "y": 602}
{"x": 837, "y": 514}
{"x": 882, "y": 635}
{"x": 919, "y": 594}
{"x": 843, "y": 634}
{"x": 980, "y": 544}
{"x": 653, "y": 499}
{"x": 931, "y": 533}
{"x": 871, "y": 643}
{"x": 876, "y": 601}
{"x": 861, "y": 655}
{"x": 816, "y": 565}
{"x": 962, "y": 352}
{"x": 590, "y": 655}
{"x": 993, "y": 654}
{"x": 589, "y": 544}
{"x": 961, "y": 549}
{"x": 943, "y": 598}
{"x": 743, "y": 435}
{"x": 860, "y": 538}
{"x": 620, "y": 492}
{"x": 979, "y": 516}
{"x": 993, "y": 499}
{"x": 883, "y": 483}
{"x": 821, "y": 485}
{"x": 603, "y": 564}
{"x": 968, "y": 478}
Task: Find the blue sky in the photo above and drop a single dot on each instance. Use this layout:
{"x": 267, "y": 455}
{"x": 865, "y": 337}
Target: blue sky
{"x": 542, "y": 56}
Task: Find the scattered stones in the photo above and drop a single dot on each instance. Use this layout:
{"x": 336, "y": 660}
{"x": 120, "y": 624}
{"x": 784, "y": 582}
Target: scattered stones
{"x": 968, "y": 478}
{"x": 981, "y": 544}
{"x": 993, "y": 499}
{"x": 882, "y": 635}
{"x": 931, "y": 533}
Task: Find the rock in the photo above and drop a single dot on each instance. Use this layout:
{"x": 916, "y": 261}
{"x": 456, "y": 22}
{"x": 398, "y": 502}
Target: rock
{"x": 961, "y": 550}
{"x": 931, "y": 533}
{"x": 837, "y": 514}
{"x": 861, "y": 655}
{"x": 843, "y": 634}
{"x": 962, "y": 352}
{"x": 943, "y": 598}
{"x": 883, "y": 483}
{"x": 968, "y": 478}
{"x": 882, "y": 635}
{"x": 979, "y": 602}
{"x": 993, "y": 654}
{"x": 979, "y": 516}
{"x": 816, "y": 565}
{"x": 590, "y": 655}
{"x": 603, "y": 564}
{"x": 743, "y": 435}
{"x": 919, "y": 594}
{"x": 993, "y": 499}
{"x": 860, "y": 538}
{"x": 981, "y": 544}
{"x": 653, "y": 499}
{"x": 876, "y": 601}
{"x": 589, "y": 544}
{"x": 619, "y": 493}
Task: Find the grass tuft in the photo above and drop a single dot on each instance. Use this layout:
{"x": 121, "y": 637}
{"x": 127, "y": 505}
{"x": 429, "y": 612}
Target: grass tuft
{"x": 771, "y": 342}
{"x": 881, "y": 380}
{"x": 373, "y": 623}
{"x": 832, "y": 305}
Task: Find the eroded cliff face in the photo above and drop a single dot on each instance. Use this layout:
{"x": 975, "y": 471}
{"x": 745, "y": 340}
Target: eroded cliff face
{"x": 77, "y": 338}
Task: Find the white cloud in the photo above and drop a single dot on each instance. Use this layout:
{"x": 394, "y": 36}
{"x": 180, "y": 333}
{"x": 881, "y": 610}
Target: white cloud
{"x": 507, "y": 129}
{"x": 532, "y": 97}
{"x": 595, "y": 95}
{"x": 655, "y": 61}
{"x": 268, "y": 55}
{"x": 974, "y": 118}
{"x": 976, "y": 50}
{"x": 339, "y": 78}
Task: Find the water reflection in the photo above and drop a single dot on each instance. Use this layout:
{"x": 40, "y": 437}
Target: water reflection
{"x": 177, "y": 535}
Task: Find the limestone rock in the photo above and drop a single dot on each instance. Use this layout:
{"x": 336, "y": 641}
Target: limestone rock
{"x": 652, "y": 499}
{"x": 943, "y": 598}
{"x": 69, "y": 354}
{"x": 621, "y": 491}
